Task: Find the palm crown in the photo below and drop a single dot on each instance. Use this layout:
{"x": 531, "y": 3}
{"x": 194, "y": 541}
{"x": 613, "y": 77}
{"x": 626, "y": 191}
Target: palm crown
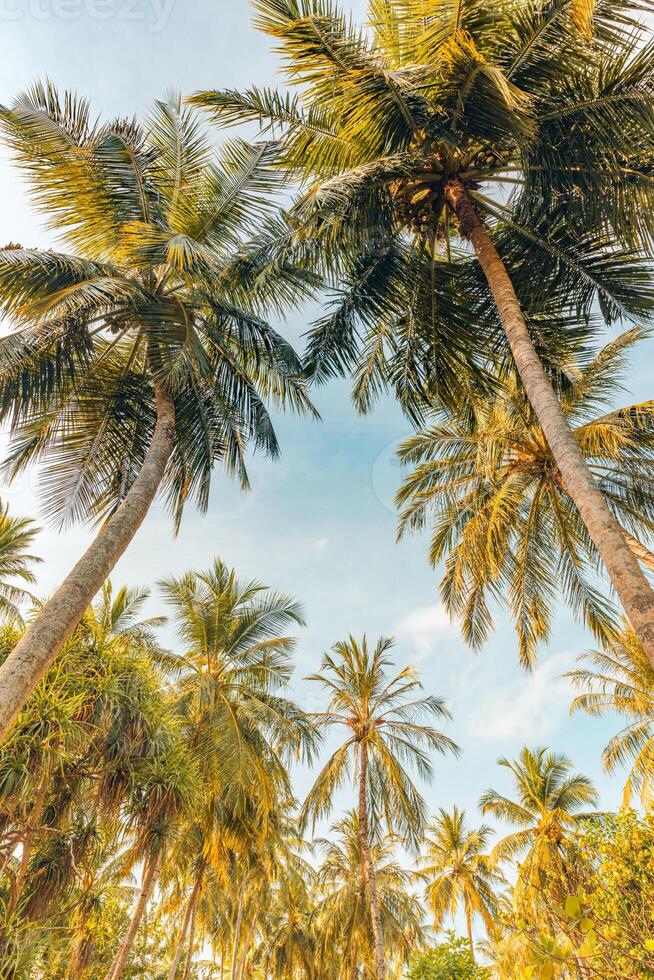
{"x": 619, "y": 678}
{"x": 383, "y": 714}
{"x": 157, "y": 289}
{"x": 458, "y": 871}
{"x": 500, "y": 514}
{"x": 549, "y": 801}
{"x": 343, "y": 914}
{"x": 496, "y": 95}
{"x": 237, "y": 661}
{"x": 16, "y": 537}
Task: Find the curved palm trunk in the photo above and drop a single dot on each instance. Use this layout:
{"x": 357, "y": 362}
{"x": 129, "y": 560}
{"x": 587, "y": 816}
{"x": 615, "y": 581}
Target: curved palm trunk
{"x": 368, "y": 871}
{"x": 148, "y": 881}
{"x": 188, "y": 920}
{"x": 36, "y": 651}
{"x": 629, "y": 581}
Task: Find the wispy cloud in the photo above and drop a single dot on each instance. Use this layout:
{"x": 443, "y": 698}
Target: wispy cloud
{"x": 321, "y": 545}
{"x": 425, "y": 629}
{"x": 530, "y": 707}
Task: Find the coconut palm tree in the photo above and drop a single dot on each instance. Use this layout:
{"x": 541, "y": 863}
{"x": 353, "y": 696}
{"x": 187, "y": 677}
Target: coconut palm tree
{"x": 239, "y": 725}
{"x": 549, "y": 803}
{"x": 163, "y": 789}
{"x": 140, "y": 359}
{"x": 458, "y": 871}
{"x": 501, "y": 514}
{"x": 16, "y": 537}
{"x": 288, "y": 944}
{"x": 381, "y": 714}
{"x": 619, "y": 679}
{"x": 343, "y": 913}
{"x": 476, "y": 176}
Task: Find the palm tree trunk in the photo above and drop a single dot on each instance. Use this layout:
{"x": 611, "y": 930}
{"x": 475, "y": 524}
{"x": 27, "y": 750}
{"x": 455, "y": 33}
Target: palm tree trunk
{"x": 35, "y": 652}
{"x": 189, "y": 916}
{"x": 237, "y": 932}
{"x": 150, "y": 872}
{"x": 191, "y": 944}
{"x": 368, "y": 871}
{"x": 469, "y": 927}
{"x": 246, "y": 948}
{"x": 628, "y": 578}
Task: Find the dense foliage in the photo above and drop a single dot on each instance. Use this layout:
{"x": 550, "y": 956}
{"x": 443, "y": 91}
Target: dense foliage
{"x": 472, "y": 187}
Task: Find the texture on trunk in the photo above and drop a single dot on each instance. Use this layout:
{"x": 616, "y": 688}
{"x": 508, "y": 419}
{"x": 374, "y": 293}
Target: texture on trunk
{"x": 189, "y": 916}
{"x": 148, "y": 881}
{"x": 35, "y": 652}
{"x": 628, "y": 578}
{"x": 369, "y": 877}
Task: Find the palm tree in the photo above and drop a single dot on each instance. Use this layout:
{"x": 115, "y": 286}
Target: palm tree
{"x": 163, "y": 789}
{"x": 501, "y": 513}
{"x": 343, "y": 913}
{"x": 16, "y": 537}
{"x": 288, "y": 944}
{"x": 549, "y": 805}
{"x": 140, "y": 359}
{"x": 450, "y": 128}
{"x": 239, "y": 725}
{"x": 382, "y": 718}
{"x": 620, "y": 679}
{"x": 458, "y": 871}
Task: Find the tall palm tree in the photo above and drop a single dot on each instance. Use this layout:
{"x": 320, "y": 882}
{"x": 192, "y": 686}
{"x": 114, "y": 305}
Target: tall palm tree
{"x": 458, "y": 871}
{"x": 16, "y": 537}
{"x": 139, "y": 359}
{"x": 382, "y": 718}
{"x": 501, "y": 514}
{"x": 619, "y": 679}
{"x": 549, "y": 801}
{"x": 164, "y": 788}
{"x": 343, "y": 913}
{"x": 478, "y": 175}
{"x": 239, "y": 724}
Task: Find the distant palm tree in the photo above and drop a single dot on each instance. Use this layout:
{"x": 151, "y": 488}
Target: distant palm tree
{"x": 343, "y": 913}
{"x": 288, "y": 936}
{"x": 476, "y": 183}
{"x": 381, "y": 715}
{"x": 163, "y": 789}
{"x": 458, "y": 870}
{"x": 16, "y": 537}
{"x": 501, "y": 514}
{"x": 238, "y": 723}
{"x": 550, "y": 802}
{"x": 140, "y": 359}
{"x": 620, "y": 680}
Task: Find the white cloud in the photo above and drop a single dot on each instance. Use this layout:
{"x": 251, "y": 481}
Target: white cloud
{"x": 529, "y": 707}
{"x": 425, "y": 628}
{"x": 321, "y": 544}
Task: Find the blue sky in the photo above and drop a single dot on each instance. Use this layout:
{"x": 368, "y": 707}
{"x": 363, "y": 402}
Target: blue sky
{"x": 319, "y": 522}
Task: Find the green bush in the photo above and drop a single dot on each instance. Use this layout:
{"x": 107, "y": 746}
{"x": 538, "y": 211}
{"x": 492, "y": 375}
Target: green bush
{"x": 452, "y": 960}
